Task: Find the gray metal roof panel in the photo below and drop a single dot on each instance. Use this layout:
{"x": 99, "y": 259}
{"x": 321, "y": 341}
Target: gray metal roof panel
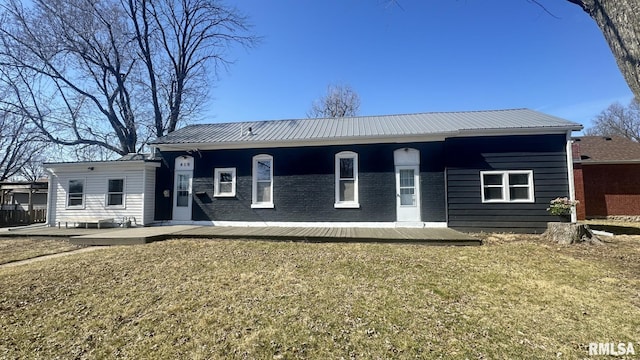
{"x": 364, "y": 126}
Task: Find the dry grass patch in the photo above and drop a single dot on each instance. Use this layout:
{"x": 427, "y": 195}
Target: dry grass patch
{"x": 514, "y": 298}
{"x": 16, "y": 249}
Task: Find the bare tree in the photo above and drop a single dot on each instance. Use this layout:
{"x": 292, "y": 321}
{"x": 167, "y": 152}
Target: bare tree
{"x": 19, "y": 144}
{"x": 33, "y": 170}
{"x": 110, "y": 74}
{"x": 618, "y": 120}
{"x": 340, "y": 101}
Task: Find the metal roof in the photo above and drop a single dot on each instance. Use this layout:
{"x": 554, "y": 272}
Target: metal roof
{"x": 129, "y": 158}
{"x": 371, "y": 127}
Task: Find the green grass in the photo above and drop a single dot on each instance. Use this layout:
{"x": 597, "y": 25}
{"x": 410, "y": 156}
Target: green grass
{"x": 516, "y": 297}
{"x": 16, "y": 249}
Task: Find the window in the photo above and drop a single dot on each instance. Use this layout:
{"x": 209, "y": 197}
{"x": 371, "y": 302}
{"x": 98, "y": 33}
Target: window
{"x": 75, "y": 195}
{"x": 224, "y": 182}
{"x": 262, "y": 181}
{"x": 115, "y": 192}
{"x": 346, "y": 180}
{"x": 183, "y": 189}
{"x": 507, "y": 186}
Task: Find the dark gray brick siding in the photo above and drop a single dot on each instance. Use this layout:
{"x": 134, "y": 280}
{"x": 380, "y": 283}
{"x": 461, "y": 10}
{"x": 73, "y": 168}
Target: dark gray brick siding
{"x": 304, "y": 184}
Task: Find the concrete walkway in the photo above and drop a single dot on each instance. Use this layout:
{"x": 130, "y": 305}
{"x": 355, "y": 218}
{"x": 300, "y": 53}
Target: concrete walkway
{"x": 141, "y": 235}
{"x": 47, "y": 257}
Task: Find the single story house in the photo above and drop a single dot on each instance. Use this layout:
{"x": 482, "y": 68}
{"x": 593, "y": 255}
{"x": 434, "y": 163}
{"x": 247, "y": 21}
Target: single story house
{"x": 471, "y": 171}
{"x": 118, "y": 191}
{"x": 606, "y": 172}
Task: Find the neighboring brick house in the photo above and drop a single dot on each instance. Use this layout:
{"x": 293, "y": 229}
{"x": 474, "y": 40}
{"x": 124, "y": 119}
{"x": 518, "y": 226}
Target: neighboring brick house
{"x": 607, "y": 176}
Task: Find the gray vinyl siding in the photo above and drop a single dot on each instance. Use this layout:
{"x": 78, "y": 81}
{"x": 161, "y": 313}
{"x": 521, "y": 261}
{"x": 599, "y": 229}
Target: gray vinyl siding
{"x": 544, "y": 155}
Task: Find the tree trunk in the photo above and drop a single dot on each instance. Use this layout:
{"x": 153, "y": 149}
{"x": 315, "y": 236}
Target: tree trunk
{"x": 619, "y": 21}
{"x": 570, "y": 233}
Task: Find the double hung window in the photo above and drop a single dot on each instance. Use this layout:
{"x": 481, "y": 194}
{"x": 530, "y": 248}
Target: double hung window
{"x": 262, "y": 181}
{"x": 75, "y": 194}
{"x": 507, "y": 186}
{"x": 346, "y": 181}
{"x": 115, "y": 192}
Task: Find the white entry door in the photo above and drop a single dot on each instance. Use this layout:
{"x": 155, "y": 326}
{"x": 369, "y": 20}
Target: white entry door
{"x": 408, "y": 193}
{"x": 182, "y": 198}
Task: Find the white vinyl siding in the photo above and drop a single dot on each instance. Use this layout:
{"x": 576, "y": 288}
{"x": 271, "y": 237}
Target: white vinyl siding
{"x": 507, "y": 186}
{"x": 138, "y": 181}
{"x": 148, "y": 196}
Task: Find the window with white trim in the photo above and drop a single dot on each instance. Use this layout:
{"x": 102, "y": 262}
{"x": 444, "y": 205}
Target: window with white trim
{"x": 75, "y": 194}
{"x": 346, "y": 183}
{"x": 262, "y": 194}
{"x": 224, "y": 182}
{"x": 115, "y": 192}
{"x": 507, "y": 186}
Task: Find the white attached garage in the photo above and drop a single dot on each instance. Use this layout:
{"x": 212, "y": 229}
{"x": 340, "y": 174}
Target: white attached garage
{"x": 98, "y": 192}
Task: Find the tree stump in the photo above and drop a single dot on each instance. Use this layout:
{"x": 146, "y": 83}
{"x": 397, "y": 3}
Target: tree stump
{"x": 570, "y": 233}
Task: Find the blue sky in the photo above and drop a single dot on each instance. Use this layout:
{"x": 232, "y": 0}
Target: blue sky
{"x": 421, "y": 56}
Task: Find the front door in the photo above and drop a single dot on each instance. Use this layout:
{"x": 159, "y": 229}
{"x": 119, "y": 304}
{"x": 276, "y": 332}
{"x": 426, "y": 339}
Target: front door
{"x": 407, "y": 193}
{"x": 182, "y": 198}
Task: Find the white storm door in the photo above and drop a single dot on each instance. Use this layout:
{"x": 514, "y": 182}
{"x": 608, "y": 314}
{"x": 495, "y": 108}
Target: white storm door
{"x": 408, "y": 193}
{"x": 182, "y": 195}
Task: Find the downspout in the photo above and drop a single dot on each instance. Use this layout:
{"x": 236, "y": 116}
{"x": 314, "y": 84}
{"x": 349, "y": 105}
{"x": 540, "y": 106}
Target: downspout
{"x": 572, "y": 188}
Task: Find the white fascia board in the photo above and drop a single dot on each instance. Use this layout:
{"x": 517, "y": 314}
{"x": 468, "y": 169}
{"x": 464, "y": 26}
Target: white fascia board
{"x": 75, "y": 166}
{"x": 518, "y": 131}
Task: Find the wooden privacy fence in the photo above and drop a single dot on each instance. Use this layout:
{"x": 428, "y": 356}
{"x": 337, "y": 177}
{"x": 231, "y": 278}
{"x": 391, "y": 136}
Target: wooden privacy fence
{"x": 21, "y": 217}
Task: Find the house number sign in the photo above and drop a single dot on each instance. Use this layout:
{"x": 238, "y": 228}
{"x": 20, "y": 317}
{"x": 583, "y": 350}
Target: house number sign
{"x": 184, "y": 163}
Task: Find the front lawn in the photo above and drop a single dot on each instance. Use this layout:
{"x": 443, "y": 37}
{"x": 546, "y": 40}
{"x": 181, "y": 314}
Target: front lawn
{"x": 516, "y": 297}
{"x": 16, "y": 249}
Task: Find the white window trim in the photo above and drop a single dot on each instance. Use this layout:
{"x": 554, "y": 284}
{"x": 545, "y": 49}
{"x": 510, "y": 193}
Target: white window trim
{"x": 84, "y": 194}
{"x": 505, "y": 186}
{"x": 346, "y": 204}
{"x": 124, "y": 194}
{"x": 216, "y": 182}
{"x": 254, "y": 180}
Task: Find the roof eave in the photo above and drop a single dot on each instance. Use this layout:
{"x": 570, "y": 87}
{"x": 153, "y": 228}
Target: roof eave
{"x": 352, "y": 140}
{"x": 538, "y": 130}
{"x": 111, "y": 163}
{"x": 347, "y": 140}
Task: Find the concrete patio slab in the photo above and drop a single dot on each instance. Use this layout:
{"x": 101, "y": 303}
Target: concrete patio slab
{"x": 130, "y": 236}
